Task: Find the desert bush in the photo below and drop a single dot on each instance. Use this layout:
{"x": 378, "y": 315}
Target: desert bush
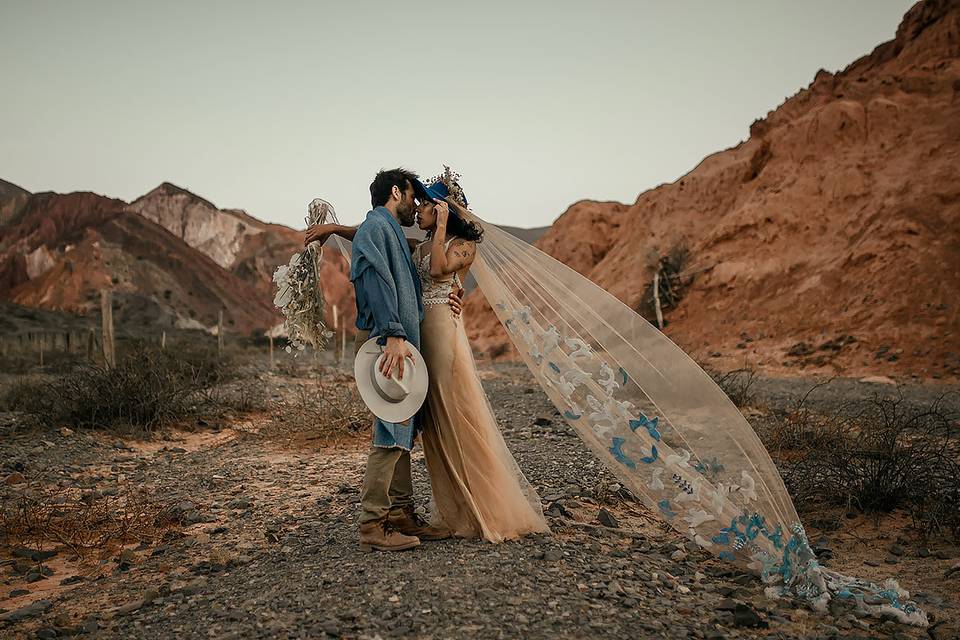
{"x": 51, "y": 516}
{"x": 29, "y": 362}
{"x": 147, "y": 389}
{"x": 498, "y": 350}
{"x": 328, "y": 412}
{"x": 875, "y": 455}
{"x": 738, "y": 385}
{"x": 673, "y": 282}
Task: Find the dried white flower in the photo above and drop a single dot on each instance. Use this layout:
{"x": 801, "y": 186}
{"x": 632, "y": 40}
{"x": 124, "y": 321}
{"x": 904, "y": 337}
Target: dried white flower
{"x": 299, "y": 296}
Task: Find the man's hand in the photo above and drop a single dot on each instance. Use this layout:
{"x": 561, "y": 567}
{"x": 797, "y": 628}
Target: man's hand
{"x": 456, "y": 302}
{"x": 318, "y": 233}
{"x": 396, "y": 350}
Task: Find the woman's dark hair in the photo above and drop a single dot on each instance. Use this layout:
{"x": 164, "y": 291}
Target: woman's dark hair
{"x": 457, "y": 226}
{"x": 385, "y": 181}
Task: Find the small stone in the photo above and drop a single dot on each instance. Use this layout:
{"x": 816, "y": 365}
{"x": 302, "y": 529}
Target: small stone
{"x": 22, "y": 567}
{"x": 29, "y": 611}
{"x": 14, "y": 478}
{"x": 543, "y": 421}
{"x": 923, "y": 552}
{"x": 193, "y": 587}
{"x": 65, "y": 432}
{"x": 891, "y": 560}
{"x": 727, "y": 605}
{"x": 870, "y": 562}
{"x": 943, "y": 554}
{"x": 553, "y": 555}
{"x": 745, "y": 616}
{"x": 678, "y": 556}
{"x": 897, "y": 549}
{"x": 16, "y": 593}
{"x": 607, "y": 519}
{"x": 47, "y": 633}
{"x": 130, "y": 607}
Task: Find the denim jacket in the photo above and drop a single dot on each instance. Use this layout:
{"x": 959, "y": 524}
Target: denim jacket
{"x": 389, "y": 302}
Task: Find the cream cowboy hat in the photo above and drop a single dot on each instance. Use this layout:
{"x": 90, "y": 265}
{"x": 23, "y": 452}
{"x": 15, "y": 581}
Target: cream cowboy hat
{"x": 390, "y": 399}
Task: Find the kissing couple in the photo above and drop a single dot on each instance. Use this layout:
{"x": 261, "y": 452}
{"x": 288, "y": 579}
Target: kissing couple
{"x": 408, "y": 295}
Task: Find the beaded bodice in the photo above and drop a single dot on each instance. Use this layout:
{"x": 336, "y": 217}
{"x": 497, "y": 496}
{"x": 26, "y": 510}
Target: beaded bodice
{"x": 435, "y": 291}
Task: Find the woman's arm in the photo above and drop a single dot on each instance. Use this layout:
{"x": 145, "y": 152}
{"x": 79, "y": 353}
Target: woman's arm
{"x": 457, "y": 257}
{"x": 320, "y": 233}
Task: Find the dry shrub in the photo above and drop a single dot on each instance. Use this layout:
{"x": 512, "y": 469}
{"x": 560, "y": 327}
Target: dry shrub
{"x": 738, "y": 385}
{"x": 54, "y": 361}
{"x": 875, "y": 455}
{"x": 498, "y": 350}
{"x": 673, "y": 282}
{"x": 329, "y": 412}
{"x": 39, "y": 518}
{"x": 148, "y": 388}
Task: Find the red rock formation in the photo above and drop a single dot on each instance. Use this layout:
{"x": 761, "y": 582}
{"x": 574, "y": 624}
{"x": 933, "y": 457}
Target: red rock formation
{"x": 91, "y": 242}
{"x": 12, "y": 199}
{"x": 840, "y": 215}
{"x": 242, "y": 244}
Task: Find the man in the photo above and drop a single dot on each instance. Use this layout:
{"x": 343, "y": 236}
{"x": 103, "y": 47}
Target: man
{"x": 389, "y": 307}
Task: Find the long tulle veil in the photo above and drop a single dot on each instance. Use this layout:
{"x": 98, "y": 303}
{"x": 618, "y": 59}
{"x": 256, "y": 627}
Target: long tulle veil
{"x": 660, "y": 423}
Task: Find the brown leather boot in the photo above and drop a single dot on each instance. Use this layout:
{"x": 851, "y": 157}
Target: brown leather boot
{"x": 409, "y": 522}
{"x": 382, "y": 536}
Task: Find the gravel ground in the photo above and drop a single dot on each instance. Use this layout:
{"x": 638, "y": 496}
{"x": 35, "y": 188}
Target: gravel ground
{"x": 267, "y": 545}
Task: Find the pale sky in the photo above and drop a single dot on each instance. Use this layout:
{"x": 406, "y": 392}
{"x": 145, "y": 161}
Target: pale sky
{"x": 266, "y": 105}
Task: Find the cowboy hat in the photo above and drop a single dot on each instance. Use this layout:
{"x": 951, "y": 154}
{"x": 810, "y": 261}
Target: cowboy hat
{"x": 390, "y": 399}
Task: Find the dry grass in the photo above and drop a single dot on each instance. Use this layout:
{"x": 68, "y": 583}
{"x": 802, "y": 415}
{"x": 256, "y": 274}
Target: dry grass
{"x": 149, "y": 388}
{"x": 738, "y": 385}
{"x": 327, "y": 412}
{"x": 874, "y": 455}
{"x": 40, "y": 518}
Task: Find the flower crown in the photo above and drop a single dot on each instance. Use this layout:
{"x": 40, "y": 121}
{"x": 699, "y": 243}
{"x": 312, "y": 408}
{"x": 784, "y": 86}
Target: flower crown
{"x": 451, "y": 180}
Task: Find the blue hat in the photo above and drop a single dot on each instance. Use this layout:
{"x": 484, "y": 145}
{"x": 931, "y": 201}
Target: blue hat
{"x": 437, "y": 191}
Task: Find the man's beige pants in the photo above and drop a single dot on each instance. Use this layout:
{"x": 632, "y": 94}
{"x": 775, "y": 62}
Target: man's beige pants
{"x": 387, "y": 482}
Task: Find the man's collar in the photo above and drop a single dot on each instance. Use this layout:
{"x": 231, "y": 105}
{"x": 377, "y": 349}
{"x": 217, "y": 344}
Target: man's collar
{"x": 386, "y": 213}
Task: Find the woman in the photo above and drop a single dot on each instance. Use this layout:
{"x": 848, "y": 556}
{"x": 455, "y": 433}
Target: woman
{"x": 479, "y": 491}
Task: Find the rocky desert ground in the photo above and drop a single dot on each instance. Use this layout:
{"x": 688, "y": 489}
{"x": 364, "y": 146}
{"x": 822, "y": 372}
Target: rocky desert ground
{"x": 245, "y": 526}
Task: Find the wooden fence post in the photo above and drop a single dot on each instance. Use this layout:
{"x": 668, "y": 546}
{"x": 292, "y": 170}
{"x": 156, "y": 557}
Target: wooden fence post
{"x": 337, "y": 347}
{"x": 106, "y": 314}
{"x": 656, "y": 298}
{"x": 220, "y": 331}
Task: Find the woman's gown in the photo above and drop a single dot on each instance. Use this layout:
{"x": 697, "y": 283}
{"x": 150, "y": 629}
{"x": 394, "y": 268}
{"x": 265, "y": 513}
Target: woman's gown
{"x": 478, "y": 489}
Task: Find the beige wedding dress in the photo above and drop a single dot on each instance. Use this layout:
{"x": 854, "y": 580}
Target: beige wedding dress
{"x": 478, "y": 489}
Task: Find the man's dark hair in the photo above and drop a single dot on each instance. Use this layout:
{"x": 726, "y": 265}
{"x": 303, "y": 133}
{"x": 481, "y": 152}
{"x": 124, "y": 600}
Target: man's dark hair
{"x": 385, "y": 181}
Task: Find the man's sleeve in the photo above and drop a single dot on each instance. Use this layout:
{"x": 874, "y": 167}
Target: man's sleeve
{"x": 382, "y": 300}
